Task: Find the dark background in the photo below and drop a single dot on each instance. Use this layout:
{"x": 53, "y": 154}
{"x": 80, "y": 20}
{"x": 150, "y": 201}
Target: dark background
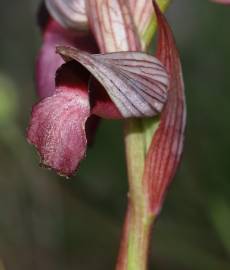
{"x": 47, "y": 222}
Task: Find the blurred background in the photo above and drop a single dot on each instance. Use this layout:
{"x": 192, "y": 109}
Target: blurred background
{"x": 47, "y": 222}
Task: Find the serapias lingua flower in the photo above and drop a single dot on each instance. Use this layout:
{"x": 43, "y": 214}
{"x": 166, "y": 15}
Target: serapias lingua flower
{"x": 114, "y": 85}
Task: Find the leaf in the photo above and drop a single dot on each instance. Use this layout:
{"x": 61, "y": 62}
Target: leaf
{"x": 136, "y": 82}
{"x": 70, "y": 14}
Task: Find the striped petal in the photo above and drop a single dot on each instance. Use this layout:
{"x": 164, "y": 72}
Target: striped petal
{"x": 142, "y": 13}
{"x": 112, "y": 25}
{"x": 136, "y": 82}
{"x": 70, "y": 14}
{"x": 48, "y": 61}
{"x": 166, "y": 148}
{"x": 144, "y": 19}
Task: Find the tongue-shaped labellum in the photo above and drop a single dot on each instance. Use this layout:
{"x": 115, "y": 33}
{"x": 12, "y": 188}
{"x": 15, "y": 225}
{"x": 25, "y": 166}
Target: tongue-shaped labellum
{"x": 136, "y": 82}
{"x": 57, "y": 126}
{"x": 69, "y": 13}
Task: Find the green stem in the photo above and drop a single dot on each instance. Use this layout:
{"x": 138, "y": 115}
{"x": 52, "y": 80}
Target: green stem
{"x": 136, "y": 235}
{"x": 135, "y": 243}
{"x": 139, "y": 239}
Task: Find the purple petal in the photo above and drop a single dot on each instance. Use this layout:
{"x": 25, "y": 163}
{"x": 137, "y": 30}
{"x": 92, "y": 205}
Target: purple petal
{"x": 48, "y": 61}
{"x": 136, "y": 82}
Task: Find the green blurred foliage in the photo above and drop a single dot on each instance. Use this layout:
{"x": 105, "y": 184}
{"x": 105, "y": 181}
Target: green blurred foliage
{"x": 8, "y": 100}
{"x": 47, "y": 222}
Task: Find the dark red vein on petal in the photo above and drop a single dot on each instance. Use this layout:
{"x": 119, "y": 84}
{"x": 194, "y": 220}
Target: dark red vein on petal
{"x": 106, "y": 28}
{"x": 127, "y": 97}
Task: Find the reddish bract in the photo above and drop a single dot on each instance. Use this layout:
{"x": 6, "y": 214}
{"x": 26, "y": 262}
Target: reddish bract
{"x": 166, "y": 148}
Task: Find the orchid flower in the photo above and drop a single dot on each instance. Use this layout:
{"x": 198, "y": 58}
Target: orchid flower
{"x": 115, "y": 85}
{"x": 92, "y": 63}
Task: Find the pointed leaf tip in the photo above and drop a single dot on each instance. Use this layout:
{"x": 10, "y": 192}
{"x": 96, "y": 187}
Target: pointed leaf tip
{"x": 166, "y": 148}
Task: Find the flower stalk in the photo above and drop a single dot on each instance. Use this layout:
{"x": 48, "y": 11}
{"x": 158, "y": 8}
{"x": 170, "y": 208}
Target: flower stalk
{"x": 137, "y": 231}
{"x": 135, "y": 242}
{"x": 138, "y": 219}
